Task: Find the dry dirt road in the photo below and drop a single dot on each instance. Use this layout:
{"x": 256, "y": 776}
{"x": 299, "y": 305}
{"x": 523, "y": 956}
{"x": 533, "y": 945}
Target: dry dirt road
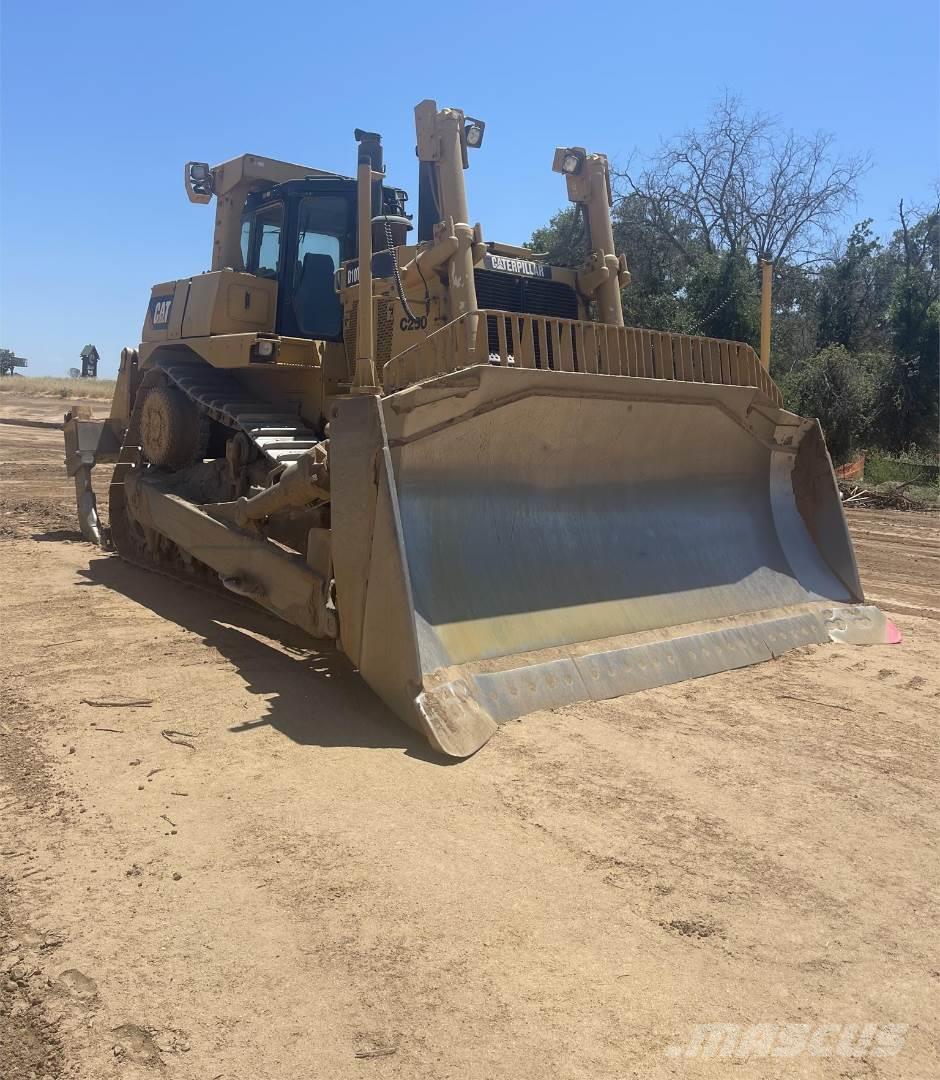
{"x": 304, "y": 891}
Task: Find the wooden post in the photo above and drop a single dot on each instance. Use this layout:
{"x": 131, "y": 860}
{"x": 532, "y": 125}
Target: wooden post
{"x": 767, "y": 269}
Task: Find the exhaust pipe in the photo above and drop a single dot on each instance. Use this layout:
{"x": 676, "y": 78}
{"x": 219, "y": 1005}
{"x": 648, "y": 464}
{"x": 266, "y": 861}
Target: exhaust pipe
{"x": 369, "y": 182}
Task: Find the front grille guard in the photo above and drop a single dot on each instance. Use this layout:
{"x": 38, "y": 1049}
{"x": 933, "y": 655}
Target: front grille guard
{"x": 533, "y": 341}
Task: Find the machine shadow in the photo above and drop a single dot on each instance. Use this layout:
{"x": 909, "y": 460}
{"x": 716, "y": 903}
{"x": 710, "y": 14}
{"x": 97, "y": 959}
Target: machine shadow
{"x": 58, "y": 536}
{"x": 314, "y": 697}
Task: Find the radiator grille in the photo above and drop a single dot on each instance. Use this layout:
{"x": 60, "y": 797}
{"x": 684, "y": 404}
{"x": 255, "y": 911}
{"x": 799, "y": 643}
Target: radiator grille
{"x": 531, "y": 296}
{"x": 350, "y": 326}
{"x": 497, "y": 291}
{"x": 385, "y": 328}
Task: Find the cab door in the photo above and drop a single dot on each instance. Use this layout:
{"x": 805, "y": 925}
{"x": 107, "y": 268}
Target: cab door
{"x": 322, "y": 236}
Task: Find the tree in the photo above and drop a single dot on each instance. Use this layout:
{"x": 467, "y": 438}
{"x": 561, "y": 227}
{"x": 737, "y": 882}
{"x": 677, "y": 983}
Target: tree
{"x": 906, "y": 400}
{"x": 856, "y": 323}
{"x": 853, "y": 293}
{"x": 658, "y": 296}
{"x": 564, "y": 240}
{"x": 9, "y": 360}
{"x": 723, "y": 298}
{"x": 794, "y": 332}
{"x": 655, "y": 298}
{"x": 745, "y": 185}
{"x": 838, "y": 389}
{"x": 742, "y": 187}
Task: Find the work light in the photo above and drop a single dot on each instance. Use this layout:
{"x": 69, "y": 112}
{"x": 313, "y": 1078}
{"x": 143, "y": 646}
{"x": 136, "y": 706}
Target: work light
{"x": 473, "y": 133}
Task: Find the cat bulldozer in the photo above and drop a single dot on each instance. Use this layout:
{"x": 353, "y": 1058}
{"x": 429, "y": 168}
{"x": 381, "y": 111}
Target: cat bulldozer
{"x": 452, "y": 460}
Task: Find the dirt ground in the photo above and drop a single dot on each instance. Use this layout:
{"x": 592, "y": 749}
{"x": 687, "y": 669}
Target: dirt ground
{"x": 261, "y": 874}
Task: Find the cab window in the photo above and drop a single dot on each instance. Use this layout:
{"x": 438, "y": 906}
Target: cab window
{"x": 321, "y": 238}
{"x": 265, "y": 247}
{"x": 245, "y": 240}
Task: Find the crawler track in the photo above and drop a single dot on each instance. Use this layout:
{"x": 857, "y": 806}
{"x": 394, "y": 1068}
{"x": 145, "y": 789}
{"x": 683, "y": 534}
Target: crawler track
{"x": 280, "y": 435}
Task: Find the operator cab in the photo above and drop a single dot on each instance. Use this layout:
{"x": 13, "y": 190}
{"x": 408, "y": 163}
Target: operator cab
{"x": 299, "y": 233}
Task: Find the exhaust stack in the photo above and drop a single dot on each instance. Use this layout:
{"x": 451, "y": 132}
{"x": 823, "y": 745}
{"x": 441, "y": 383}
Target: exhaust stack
{"x": 369, "y": 173}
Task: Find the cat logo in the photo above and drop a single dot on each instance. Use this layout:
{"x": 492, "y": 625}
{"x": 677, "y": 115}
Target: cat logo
{"x": 160, "y": 311}
{"x": 524, "y": 267}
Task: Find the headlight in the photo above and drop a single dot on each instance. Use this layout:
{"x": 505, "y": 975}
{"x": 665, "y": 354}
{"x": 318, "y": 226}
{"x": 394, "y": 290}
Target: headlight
{"x": 200, "y": 183}
{"x": 473, "y": 133}
{"x": 265, "y": 348}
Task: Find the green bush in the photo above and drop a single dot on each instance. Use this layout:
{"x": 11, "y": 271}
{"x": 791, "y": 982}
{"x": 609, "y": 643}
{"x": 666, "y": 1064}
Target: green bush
{"x": 837, "y": 388}
{"x": 723, "y": 298}
{"x": 916, "y": 467}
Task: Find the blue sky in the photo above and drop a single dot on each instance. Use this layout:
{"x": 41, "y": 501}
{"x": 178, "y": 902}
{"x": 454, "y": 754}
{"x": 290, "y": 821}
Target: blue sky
{"x": 103, "y": 102}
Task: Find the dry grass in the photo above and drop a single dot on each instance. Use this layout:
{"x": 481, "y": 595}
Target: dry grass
{"x": 46, "y": 386}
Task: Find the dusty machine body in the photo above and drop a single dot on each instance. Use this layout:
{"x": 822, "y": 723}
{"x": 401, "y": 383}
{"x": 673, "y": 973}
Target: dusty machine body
{"x": 454, "y": 460}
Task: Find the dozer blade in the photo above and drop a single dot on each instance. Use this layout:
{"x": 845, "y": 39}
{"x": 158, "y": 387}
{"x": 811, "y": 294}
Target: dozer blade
{"x": 508, "y": 540}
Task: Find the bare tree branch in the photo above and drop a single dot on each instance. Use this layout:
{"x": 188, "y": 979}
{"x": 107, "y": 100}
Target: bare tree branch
{"x": 744, "y": 184}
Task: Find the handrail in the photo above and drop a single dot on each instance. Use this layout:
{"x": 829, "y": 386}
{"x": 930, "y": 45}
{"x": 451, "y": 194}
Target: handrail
{"x": 509, "y": 339}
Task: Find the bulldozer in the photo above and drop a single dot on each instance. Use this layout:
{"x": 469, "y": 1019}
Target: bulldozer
{"x": 453, "y": 460}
